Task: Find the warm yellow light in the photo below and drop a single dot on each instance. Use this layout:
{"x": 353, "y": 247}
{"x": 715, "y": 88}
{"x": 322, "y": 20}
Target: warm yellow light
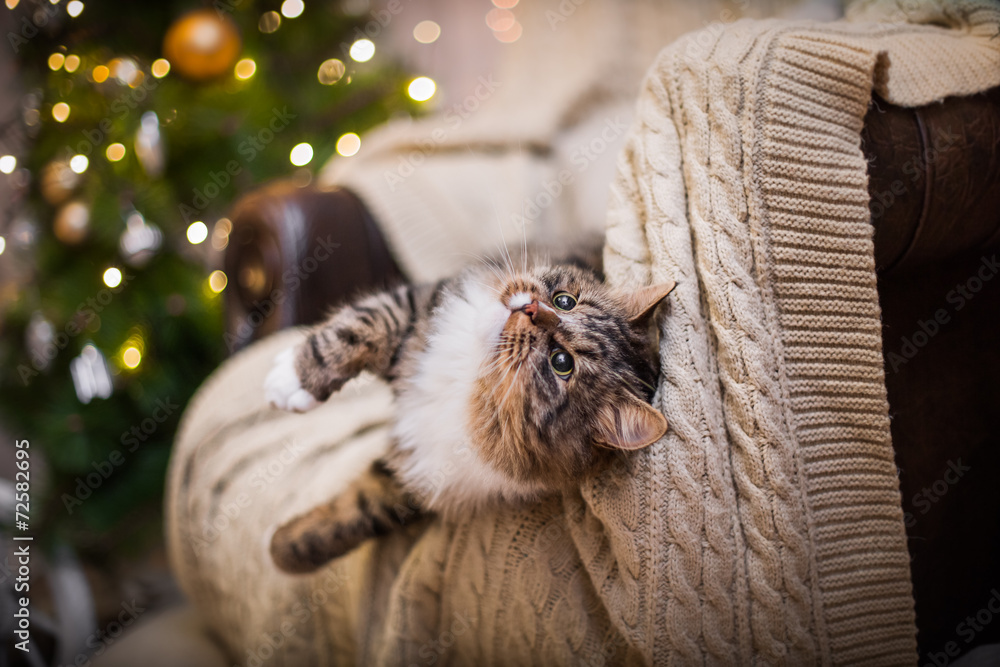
{"x": 3, "y": 244}
{"x": 131, "y": 357}
{"x": 60, "y": 111}
{"x": 56, "y": 61}
{"x": 301, "y": 155}
{"x": 349, "y": 144}
{"x": 245, "y": 68}
{"x": 160, "y": 67}
{"x": 79, "y": 163}
{"x": 101, "y": 74}
{"x": 115, "y": 152}
{"x": 510, "y": 35}
{"x": 505, "y": 4}
{"x": 217, "y": 281}
{"x": 363, "y": 50}
{"x": 426, "y": 32}
{"x": 8, "y": 163}
{"x": 74, "y": 8}
{"x": 112, "y": 277}
{"x": 11, "y": 4}
{"x": 269, "y": 22}
{"x": 292, "y": 8}
{"x": 197, "y": 232}
{"x": 422, "y": 89}
{"x": 72, "y": 62}
{"x": 331, "y": 71}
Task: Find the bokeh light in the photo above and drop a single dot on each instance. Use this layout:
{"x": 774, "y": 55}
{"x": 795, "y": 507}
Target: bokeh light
{"x": 217, "y": 281}
{"x": 112, "y": 277}
{"x": 101, "y": 74}
{"x": 197, "y": 232}
{"x": 331, "y": 71}
{"x": 426, "y": 32}
{"x": 348, "y": 144}
{"x": 74, "y": 8}
{"x": 72, "y": 62}
{"x": 131, "y": 357}
{"x": 269, "y": 22}
{"x": 115, "y": 152}
{"x": 60, "y": 111}
{"x": 422, "y": 89}
{"x": 363, "y": 50}
{"x": 8, "y": 163}
{"x": 79, "y": 163}
{"x": 245, "y": 68}
{"x": 500, "y": 20}
{"x": 56, "y": 61}
{"x": 291, "y": 9}
{"x": 301, "y": 155}
{"x": 160, "y": 68}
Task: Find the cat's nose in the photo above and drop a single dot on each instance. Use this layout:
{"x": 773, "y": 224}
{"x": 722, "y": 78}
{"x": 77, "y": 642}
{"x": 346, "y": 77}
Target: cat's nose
{"x": 541, "y": 315}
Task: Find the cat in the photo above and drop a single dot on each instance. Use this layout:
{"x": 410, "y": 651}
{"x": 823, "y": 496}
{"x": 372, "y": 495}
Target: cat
{"x": 508, "y": 384}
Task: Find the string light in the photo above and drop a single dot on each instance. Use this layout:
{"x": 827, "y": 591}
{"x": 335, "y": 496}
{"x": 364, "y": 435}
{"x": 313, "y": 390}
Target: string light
{"x": 291, "y": 9}
{"x": 269, "y": 22}
{"x": 115, "y": 152}
{"x": 131, "y": 357}
{"x": 79, "y": 164}
{"x": 220, "y": 234}
{"x": 60, "y": 111}
{"x": 3, "y": 244}
{"x": 101, "y": 74}
{"x": 331, "y": 71}
{"x": 112, "y": 277}
{"x": 362, "y": 50}
{"x": 349, "y": 144}
{"x": 197, "y": 232}
{"x": 8, "y": 163}
{"x": 72, "y": 62}
{"x": 56, "y": 61}
{"x": 301, "y": 155}
{"x": 422, "y": 89}
{"x": 160, "y": 67}
{"x": 245, "y": 69}
{"x": 11, "y": 4}
{"x": 74, "y": 8}
{"x": 217, "y": 281}
{"x": 426, "y": 32}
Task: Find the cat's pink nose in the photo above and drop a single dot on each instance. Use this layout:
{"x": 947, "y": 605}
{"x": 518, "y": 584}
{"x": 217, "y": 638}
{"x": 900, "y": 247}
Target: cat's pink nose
{"x": 541, "y": 315}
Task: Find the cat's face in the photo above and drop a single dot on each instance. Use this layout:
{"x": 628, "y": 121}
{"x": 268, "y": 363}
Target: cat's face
{"x": 568, "y": 379}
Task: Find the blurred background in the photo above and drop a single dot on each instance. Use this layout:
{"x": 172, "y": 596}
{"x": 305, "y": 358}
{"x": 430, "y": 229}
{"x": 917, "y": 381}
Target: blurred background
{"x": 126, "y": 132}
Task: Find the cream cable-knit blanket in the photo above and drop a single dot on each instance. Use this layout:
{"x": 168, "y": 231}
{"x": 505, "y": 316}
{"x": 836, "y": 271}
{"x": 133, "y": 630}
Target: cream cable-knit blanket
{"x": 765, "y": 528}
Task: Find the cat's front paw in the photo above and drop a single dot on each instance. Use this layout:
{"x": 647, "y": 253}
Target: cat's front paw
{"x": 283, "y": 389}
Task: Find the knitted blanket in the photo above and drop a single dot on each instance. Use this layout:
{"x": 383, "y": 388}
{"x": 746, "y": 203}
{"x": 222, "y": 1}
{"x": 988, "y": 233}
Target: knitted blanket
{"x": 764, "y": 528}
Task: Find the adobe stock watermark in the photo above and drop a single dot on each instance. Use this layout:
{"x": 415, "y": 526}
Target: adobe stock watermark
{"x": 967, "y": 630}
{"x": 261, "y": 477}
{"x": 454, "y": 116}
{"x": 130, "y": 440}
{"x": 78, "y": 322}
{"x": 291, "y": 279}
{"x": 958, "y": 298}
{"x": 581, "y": 158}
{"x": 249, "y": 149}
{"x": 929, "y": 495}
{"x": 99, "y": 641}
{"x": 942, "y": 141}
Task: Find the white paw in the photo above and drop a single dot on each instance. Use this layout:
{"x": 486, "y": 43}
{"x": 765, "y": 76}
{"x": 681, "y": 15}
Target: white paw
{"x": 282, "y": 387}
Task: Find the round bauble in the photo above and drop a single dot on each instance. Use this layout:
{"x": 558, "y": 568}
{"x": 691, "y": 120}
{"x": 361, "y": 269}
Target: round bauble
{"x": 202, "y": 45}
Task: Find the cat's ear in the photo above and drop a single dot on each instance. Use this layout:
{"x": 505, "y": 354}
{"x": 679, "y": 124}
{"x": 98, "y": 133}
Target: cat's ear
{"x": 643, "y": 301}
{"x": 629, "y": 424}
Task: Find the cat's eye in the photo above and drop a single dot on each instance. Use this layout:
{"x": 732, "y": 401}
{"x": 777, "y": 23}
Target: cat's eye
{"x": 562, "y": 363}
{"x": 564, "y": 301}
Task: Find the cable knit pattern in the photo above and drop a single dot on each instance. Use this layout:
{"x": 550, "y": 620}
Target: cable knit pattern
{"x": 764, "y": 528}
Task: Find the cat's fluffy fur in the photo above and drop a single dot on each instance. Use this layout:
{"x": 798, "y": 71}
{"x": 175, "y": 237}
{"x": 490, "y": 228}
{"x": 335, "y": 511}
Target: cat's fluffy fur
{"x": 485, "y": 411}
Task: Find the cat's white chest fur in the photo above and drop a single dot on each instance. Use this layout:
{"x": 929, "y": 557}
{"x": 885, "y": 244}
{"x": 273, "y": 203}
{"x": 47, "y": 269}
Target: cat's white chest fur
{"x": 432, "y": 421}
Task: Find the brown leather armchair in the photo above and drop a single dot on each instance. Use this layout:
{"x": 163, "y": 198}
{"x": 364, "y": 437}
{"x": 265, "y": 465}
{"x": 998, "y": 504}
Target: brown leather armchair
{"x": 934, "y": 182}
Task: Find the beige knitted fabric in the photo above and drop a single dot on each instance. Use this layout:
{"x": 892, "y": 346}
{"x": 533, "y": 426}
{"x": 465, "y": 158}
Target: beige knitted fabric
{"x": 765, "y": 528}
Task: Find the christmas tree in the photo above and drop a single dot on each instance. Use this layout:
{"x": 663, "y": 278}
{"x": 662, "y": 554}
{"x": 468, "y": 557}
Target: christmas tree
{"x": 143, "y": 122}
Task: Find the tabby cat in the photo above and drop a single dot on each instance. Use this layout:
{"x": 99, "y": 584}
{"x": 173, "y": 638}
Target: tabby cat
{"x": 509, "y": 385}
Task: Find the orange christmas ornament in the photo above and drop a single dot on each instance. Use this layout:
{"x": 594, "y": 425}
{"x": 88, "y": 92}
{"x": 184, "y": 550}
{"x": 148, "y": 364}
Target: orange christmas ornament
{"x": 202, "y": 45}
